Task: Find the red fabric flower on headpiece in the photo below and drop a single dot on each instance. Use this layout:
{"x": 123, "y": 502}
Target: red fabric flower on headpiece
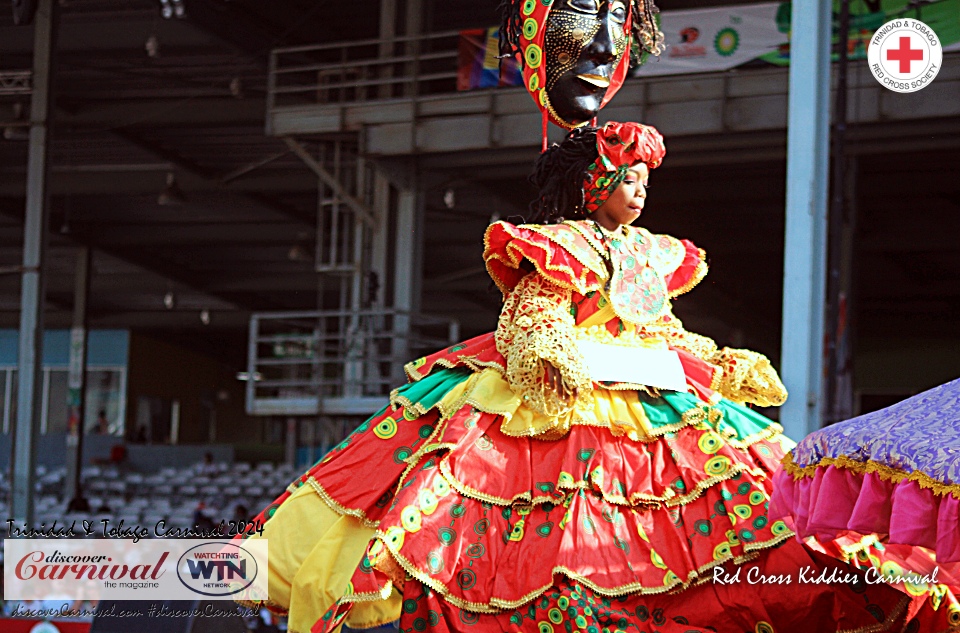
{"x": 620, "y": 146}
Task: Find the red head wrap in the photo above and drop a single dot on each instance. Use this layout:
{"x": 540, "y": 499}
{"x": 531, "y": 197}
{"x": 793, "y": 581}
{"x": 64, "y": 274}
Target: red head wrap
{"x": 535, "y": 14}
{"x": 620, "y": 146}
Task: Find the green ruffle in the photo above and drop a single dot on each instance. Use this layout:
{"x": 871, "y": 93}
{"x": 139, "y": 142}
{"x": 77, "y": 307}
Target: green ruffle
{"x": 735, "y": 421}
{"x": 421, "y": 396}
{"x": 668, "y": 410}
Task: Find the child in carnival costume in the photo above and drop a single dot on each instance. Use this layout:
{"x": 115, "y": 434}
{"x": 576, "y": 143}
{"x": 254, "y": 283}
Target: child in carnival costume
{"x": 509, "y": 486}
{"x": 504, "y": 488}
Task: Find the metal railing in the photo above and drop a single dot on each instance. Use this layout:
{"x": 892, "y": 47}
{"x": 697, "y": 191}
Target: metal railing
{"x": 348, "y": 72}
{"x": 16, "y": 82}
{"x": 335, "y": 361}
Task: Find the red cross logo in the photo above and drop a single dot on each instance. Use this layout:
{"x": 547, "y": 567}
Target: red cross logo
{"x": 905, "y": 54}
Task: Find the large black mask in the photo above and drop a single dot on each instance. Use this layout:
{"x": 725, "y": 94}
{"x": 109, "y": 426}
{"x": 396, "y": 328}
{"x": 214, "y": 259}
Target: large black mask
{"x": 584, "y": 43}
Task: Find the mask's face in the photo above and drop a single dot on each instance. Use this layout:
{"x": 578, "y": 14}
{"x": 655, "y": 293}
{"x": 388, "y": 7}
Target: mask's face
{"x": 584, "y": 43}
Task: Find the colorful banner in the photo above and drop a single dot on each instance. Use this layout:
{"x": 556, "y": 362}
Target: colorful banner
{"x": 479, "y": 65}
{"x": 720, "y": 38}
{"x": 866, "y": 16}
{"x": 705, "y": 40}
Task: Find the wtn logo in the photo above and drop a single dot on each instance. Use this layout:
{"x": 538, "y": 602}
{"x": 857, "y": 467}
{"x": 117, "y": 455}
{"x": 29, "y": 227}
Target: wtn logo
{"x": 219, "y": 569}
{"x": 225, "y": 569}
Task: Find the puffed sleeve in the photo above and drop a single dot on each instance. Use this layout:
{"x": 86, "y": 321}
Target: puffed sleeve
{"x": 536, "y": 324}
{"x": 689, "y": 272}
{"x": 740, "y": 375}
{"x": 749, "y": 377}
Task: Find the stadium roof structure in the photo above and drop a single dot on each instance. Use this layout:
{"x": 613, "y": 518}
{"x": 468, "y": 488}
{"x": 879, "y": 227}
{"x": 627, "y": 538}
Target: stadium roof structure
{"x": 139, "y": 97}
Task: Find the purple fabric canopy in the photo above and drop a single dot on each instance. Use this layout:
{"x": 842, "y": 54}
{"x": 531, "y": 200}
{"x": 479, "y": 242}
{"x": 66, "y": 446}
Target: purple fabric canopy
{"x": 891, "y": 472}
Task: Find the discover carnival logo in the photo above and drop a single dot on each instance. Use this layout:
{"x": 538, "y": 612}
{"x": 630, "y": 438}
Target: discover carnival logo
{"x": 905, "y": 55}
{"x": 119, "y": 569}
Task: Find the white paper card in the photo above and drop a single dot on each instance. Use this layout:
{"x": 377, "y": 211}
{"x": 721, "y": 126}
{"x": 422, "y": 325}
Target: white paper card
{"x": 659, "y": 368}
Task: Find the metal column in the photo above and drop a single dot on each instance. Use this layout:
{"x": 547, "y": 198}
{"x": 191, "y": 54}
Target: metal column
{"x": 804, "y": 264}
{"x": 406, "y": 270}
{"x": 77, "y": 383}
{"x": 32, "y": 284}
{"x": 388, "y": 31}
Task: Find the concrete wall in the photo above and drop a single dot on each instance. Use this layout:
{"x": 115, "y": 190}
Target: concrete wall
{"x": 199, "y": 383}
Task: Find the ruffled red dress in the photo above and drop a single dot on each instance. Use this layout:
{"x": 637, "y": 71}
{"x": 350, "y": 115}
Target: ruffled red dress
{"x": 479, "y": 500}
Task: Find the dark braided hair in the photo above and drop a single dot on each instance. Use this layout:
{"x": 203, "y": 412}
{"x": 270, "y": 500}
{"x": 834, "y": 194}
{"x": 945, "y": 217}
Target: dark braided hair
{"x": 559, "y": 175}
{"x": 647, "y": 37}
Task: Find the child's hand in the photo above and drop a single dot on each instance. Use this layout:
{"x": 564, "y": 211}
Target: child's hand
{"x": 555, "y": 381}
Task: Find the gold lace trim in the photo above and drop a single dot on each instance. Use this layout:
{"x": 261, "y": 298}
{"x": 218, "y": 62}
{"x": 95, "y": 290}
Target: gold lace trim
{"x": 701, "y": 346}
{"x": 629, "y": 338}
{"x": 535, "y": 325}
{"x": 749, "y": 377}
{"x": 356, "y": 513}
{"x": 886, "y": 473}
{"x": 496, "y": 605}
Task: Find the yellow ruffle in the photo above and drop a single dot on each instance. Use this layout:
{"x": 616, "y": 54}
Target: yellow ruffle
{"x": 313, "y": 553}
{"x": 620, "y": 410}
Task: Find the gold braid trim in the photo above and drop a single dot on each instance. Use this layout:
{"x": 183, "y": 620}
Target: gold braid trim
{"x": 892, "y": 617}
{"x": 478, "y": 366}
{"x": 751, "y": 551}
{"x": 446, "y": 405}
{"x": 428, "y": 446}
{"x": 668, "y": 500}
{"x": 497, "y": 605}
{"x": 886, "y": 473}
{"x": 698, "y": 274}
{"x": 396, "y": 400}
{"x": 370, "y": 596}
{"x": 709, "y": 418}
{"x": 536, "y": 326}
{"x": 269, "y": 604}
{"x": 471, "y": 362}
{"x": 567, "y": 125}
{"x": 356, "y": 513}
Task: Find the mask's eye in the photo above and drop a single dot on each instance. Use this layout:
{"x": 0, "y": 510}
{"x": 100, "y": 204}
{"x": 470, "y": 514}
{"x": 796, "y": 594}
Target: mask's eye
{"x": 618, "y": 11}
{"x": 583, "y": 6}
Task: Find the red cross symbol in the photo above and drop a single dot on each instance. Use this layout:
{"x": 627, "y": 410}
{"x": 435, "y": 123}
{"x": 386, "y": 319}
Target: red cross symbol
{"x": 905, "y": 54}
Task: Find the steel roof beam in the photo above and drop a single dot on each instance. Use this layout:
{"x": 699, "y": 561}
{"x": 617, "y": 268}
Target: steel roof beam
{"x": 209, "y": 175}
